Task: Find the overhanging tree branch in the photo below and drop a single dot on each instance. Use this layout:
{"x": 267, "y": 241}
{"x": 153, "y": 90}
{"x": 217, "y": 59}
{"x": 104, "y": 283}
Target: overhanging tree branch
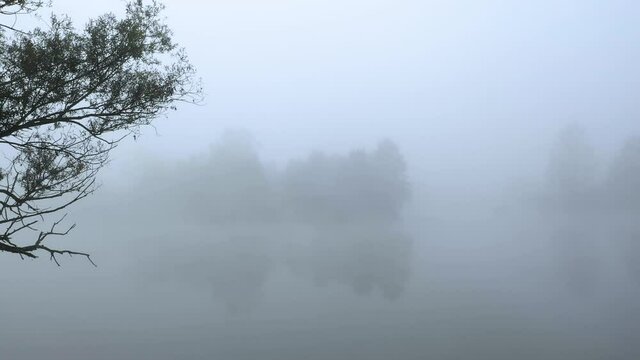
{"x": 67, "y": 98}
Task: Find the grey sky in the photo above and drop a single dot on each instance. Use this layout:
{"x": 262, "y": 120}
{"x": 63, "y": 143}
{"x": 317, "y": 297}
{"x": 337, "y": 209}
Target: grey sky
{"x": 447, "y": 79}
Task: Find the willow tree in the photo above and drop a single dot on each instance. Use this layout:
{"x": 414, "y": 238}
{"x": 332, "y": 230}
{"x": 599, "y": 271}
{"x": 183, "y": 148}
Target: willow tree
{"x": 67, "y": 98}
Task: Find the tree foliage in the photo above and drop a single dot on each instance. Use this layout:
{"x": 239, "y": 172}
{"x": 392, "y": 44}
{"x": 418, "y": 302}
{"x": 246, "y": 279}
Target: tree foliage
{"x": 359, "y": 187}
{"x": 330, "y": 219}
{"x": 67, "y": 98}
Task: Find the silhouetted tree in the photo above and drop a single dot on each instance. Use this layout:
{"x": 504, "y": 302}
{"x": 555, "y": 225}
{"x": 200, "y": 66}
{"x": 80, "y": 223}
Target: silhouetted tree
{"x": 623, "y": 185}
{"x": 359, "y": 187}
{"x": 17, "y": 7}
{"x": 237, "y": 188}
{"x": 573, "y": 208}
{"x": 624, "y": 178}
{"x": 221, "y": 208}
{"x": 572, "y": 167}
{"x": 353, "y": 203}
{"x": 67, "y": 98}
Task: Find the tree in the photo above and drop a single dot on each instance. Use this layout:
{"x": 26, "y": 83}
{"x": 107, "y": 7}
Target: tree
{"x": 572, "y": 169}
{"x": 228, "y": 187}
{"x": 622, "y": 187}
{"x": 358, "y": 187}
{"x": 16, "y": 7}
{"x": 67, "y": 98}
{"x": 624, "y": 177}
{"x": 574, "y": 209}
{"x": 353, "y": 204}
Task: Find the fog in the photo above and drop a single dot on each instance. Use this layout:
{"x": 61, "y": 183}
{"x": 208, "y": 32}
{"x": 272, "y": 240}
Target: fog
{"x": 365, "y": 180}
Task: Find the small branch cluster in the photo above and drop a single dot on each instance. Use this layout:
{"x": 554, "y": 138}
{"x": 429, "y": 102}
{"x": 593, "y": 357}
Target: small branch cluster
{"x": 28, "y": 251}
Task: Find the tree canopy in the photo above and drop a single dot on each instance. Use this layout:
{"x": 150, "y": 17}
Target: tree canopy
{"x": 67, "y": 98}
{"x": 359, "y": 187}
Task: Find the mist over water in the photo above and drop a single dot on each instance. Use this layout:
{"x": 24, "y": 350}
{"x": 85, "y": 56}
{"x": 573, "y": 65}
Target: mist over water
{"x": 366, "y": 180}
{"x": 340, "y": 255}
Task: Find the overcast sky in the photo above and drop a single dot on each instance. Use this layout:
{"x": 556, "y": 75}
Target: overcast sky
{"x": 455, "y": 80}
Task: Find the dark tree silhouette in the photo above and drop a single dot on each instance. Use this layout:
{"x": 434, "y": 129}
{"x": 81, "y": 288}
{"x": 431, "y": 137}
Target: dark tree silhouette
{"x": 67, "y": 98}
{"x": 17, "y": 7}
